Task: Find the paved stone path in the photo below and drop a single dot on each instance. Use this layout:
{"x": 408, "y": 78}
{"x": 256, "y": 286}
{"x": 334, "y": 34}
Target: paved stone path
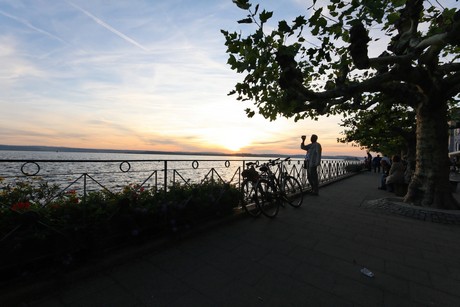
{"x": 311, "y": 256}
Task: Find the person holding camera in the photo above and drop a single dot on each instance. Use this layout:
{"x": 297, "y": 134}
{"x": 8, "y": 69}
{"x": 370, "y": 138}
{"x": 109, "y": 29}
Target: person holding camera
{"x": 312, "y": 161}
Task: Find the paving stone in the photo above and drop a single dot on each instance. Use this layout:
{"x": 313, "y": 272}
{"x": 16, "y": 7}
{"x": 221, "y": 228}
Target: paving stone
{"x": 191, "y": 298}
{"x": 390, "y": 300}
{"x": 278, "y": 262}
{"x": 315, "y": 277}
{"x": 358, "y": 292}
{"x": 407, "y": 273}
{"x": 445, "y": 284}
{"x": 437, "y": 257}
{"x": 106, "y": 298}
{"x": 431, "y": 267}
{"x": 209, "y": 281}
{"x": 427, "y": 296}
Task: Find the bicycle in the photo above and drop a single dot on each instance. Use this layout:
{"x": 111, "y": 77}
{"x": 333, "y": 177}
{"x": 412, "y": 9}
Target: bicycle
{"x": 248, "y": 190}
{"x": 273, "y": 191}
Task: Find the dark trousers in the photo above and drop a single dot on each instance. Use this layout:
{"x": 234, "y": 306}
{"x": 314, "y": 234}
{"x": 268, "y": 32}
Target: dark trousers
{"x": 383, "y": 185}
{"x": 312, "y": 173}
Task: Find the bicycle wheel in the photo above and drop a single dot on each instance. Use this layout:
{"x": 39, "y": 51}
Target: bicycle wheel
{"x": 268, "y": 200}
{"x": 249, "y": 199}
{"x": 292, "y": 190}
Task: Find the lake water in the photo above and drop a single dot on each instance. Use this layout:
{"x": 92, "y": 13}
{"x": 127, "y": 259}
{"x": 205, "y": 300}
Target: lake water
{"x": 116, "y": 170}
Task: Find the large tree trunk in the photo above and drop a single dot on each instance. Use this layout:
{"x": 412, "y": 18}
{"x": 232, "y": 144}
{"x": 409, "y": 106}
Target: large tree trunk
{"x": 430, "y": 186}
{"x": 410, "y": 153}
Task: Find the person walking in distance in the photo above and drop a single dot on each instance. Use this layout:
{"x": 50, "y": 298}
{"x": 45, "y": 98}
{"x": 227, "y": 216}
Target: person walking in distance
{"x": 369, "y": 161}
{"x": 376, "y": 165}
{"x": 313, "y": 161}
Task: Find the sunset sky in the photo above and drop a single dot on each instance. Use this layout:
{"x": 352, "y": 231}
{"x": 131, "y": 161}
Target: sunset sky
{"x": 137, "y": 74}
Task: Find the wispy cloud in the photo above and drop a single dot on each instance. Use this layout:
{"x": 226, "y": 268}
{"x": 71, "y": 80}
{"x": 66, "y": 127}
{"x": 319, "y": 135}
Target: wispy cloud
{"x": 108, "y": 27}
{"x": 31, "y": 26}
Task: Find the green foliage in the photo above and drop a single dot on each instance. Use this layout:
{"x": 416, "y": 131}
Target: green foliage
{"x": 330, "y": 83}
{"x": 32, "y": 190}
{"x": 34, "y": 213}
{"x": 388, "y": 128}
{"x": 242, "y": 4}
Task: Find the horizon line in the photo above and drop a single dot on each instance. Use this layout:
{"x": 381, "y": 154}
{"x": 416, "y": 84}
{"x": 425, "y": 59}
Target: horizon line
{"x": 142, "y": 151}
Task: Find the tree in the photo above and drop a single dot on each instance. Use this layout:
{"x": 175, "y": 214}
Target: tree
{"x": 420, "y": 68}
{"x": 388, "y": 128}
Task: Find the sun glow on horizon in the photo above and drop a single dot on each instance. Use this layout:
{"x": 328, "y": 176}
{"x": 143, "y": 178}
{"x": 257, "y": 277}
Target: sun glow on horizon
{"x": 233, "y": 139}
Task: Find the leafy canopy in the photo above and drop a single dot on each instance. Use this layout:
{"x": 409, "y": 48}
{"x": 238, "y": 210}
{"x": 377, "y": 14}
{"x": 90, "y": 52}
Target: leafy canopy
{"x": 320, "y": 66}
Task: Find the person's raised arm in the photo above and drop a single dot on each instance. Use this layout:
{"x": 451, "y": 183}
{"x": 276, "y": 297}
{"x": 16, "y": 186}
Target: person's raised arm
{"x": 302, "y": 145}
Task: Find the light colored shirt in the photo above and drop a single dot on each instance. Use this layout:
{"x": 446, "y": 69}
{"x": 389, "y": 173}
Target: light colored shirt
{"x": 314, "y": 153}
{"x": 386, "y": 159}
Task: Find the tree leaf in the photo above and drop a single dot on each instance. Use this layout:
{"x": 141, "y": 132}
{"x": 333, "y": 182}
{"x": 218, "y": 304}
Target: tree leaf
{"x": 397, "y": 3}
{"x": 245, "y": 20}
{"x": 299, "y": 22}
{"x": 264, "y": 16}
{"x": 283, "y": 26}
{"x": 242, "y": 4}
{"x": 392, "y": 18}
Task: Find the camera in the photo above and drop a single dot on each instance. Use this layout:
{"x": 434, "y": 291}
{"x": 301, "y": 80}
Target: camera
{"x": 303, "y": 137}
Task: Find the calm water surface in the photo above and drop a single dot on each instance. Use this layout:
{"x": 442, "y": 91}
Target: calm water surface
{"x": 116, "y": 170}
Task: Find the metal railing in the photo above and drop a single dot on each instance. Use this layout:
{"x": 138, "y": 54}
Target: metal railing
{"x": 161, "y": 175}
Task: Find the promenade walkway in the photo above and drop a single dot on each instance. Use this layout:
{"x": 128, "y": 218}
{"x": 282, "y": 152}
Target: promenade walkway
{"x": 311, "y": 256}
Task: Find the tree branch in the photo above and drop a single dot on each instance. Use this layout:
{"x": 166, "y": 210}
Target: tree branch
{"x": 452, "y": 84}
{"x": 438, "y": 39}
{"x": 323, "y": 102}
{"x": 450, "y": 67}
{"x": 437, "y": 42}
{"x": 391, "y": 60}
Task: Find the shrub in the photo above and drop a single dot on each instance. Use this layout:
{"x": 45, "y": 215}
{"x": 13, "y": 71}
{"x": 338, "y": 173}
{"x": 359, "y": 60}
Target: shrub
{"x": 36, "y": 218}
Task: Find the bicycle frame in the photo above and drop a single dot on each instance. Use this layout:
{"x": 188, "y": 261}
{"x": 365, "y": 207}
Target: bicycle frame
{"x": 273, "y": 187}
{"x": 280, "y": 177}
{"x": 272, "y": 176}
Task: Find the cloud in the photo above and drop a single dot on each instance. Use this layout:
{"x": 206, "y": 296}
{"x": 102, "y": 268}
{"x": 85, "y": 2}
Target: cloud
{"x": 31, "y": 26}
{"x": 14, "y": 67}
{"x": 108, "y": 27}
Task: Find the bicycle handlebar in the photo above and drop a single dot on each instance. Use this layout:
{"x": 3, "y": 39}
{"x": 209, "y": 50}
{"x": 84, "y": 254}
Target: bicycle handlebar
{"x": 276, "y": 161}
{"x": 266, "y": 166}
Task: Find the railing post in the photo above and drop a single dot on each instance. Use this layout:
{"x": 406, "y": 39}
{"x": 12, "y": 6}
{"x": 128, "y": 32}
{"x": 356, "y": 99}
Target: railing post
{"x": 84, "y": 197}
{"x": 242, "y": 167}
{"x": 166, "y": 175}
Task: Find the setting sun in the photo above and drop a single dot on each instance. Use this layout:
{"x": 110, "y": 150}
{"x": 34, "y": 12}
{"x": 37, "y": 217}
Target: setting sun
{"x": 236, "y": 141}
{"x": 233, "y": 139}
{"x": 235, "y": 144}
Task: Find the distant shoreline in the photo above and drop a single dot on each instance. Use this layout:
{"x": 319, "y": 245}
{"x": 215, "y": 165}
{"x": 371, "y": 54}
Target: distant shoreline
{"x": 92, "y": 150}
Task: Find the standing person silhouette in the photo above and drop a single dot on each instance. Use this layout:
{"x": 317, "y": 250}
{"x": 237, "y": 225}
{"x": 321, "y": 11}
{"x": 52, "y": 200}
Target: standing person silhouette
{"x": 376, "y": 165}
{"x": 369, "y": 161}
{"x": 313, "y": 161}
